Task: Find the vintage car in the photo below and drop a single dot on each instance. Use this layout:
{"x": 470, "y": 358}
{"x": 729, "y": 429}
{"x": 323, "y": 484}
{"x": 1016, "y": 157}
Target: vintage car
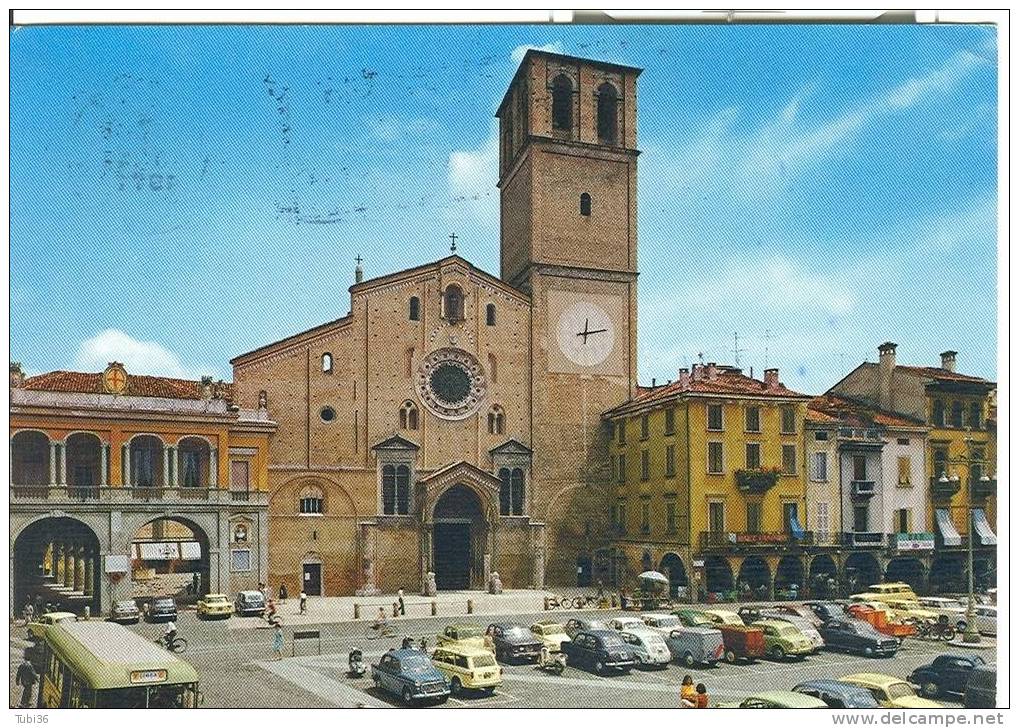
{"x": 468, "y": 668}
{"x": 857, "y": 636}
{"x": 805, "y": 626}
{"x": 161, "y": 609}
{"x": 37, "y": 627}
{"x": 584, "y": 625}
{"x": 776, "y": 699}
{"x": 723, "y": 616}
{"x": 874, "y": 614}
{"x": 600, "y": 651}
{"x": 954, "y": 609}
{"x": 696, "y": 645}
{"x": 827, "y": 611}
{"x": 693, "y": 618}
{"x": 751, "y": 612}
{"x": 888, "y": 691}
{"x": 782, "y": 640}
{"x": 902, "y": 610}
{"x": 947, "y": 674}
{"x": 986, "y": 619}
{"x": 802, "y": 611}
{"x": 741, "y": 642}
{"x": 125, "y": 611}
{"x": 883, "y": 592}
{"x": 411, "y": 675}
{"x": 621, "y": 624}
{"x": 512, "y": 642}
{"x": 250, "y": 602}
{"x": 552, "y": 634}
{"x": 662, "y": 623}
{"x": 214, "y": 605}
{"x": 837, "y": 694}
{"x": 466, "y": 634}
{"x": 649, "y": 648}
{"x": 981, "y": 689}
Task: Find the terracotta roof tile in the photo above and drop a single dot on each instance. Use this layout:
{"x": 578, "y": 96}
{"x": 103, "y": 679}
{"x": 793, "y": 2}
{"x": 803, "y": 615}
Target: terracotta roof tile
{"x": 138, "y": 385}
{"x": 832, "y": 408}
{"x": 940, "y": 374}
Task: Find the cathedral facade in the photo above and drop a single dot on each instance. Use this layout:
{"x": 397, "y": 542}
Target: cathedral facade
{"x": 450, "y": 424}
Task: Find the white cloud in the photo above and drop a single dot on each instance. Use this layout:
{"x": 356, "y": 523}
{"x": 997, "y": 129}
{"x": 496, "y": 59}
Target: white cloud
{"x": 518, "y": 53}
{"x": 139, "y": 357}
{"x": 472, "y": 175}
{"x": 394, "y": 128}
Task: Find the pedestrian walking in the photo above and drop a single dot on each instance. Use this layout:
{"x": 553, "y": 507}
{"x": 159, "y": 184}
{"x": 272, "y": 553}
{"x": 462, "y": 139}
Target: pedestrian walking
{"x": 283, "y": 593}
{"x": 38, "y": 604}
{"x": 304, "y": 603}
{"x": 26, "y": 677}
{"x": 702, "y": 696}
{"x": 28, "y": 612}
{"x": 277, "y": 641}
{"x": 687, "y": 693}
{"x": 399, "y": 599}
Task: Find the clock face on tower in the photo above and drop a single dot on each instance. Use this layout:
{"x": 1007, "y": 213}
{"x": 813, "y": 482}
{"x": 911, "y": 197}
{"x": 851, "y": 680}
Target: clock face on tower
{"x": 586, "y": 334}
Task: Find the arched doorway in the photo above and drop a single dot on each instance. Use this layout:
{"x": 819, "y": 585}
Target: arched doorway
{"x": 823, "y": 577}
{"x": 717, "y": 577}
{"x": 754, "y": 578}
{"x": 909, "y": 570}
{"x": 672, "y": 566}
{"x": 459, "y": 538}
{"x": 788, "y": 578}
{"x": 948, "y": 574}
{"x": 170, "y": 557}
{"x": 56, "y": 560}
{"x": 862, "y": 569}
{"x": 584, "y": 569}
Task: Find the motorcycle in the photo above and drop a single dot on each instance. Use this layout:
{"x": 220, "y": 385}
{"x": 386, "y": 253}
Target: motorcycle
{"x": 355, "y": 664}
{"x": 553, "y": 662}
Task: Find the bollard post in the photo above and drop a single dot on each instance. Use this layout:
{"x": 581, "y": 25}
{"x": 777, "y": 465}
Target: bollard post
{"x": 357, "y": 611}
{"x": 435, "y": 609}
{"x": 546, "y": 604}
{"x": 470, "y": 606}
{"x": 613, "y": 600}
{"x": 396, "y": 609}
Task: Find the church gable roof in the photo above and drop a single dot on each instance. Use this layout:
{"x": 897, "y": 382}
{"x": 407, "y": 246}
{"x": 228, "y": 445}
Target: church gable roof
{"x": 301, "y": 337}
{"x": 461, "y": 469}
{"x": 454, "y": 261}
{"x": 511, "y": 447}
{"x": 396, "y": 442}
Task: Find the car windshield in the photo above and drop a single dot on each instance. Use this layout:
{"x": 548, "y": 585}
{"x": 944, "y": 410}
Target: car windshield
{"x": 163, "y": 603}
{"x": 516, "y": 633}
{"x": 126, "y": 605}
{"x": 899, "y": 690}
{"x": 416, "y": 665}
{"x": 216, "y": 599}
{"x": 256, "y": 597}
{"x": 788, "y": 631}
{"x": 484, "y": 661}
{"x": 612, "y": 641}
{"x": 466, "y": 632}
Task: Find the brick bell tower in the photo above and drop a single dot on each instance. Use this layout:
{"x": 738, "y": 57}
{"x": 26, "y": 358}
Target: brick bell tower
{"x": 568, "y": 230}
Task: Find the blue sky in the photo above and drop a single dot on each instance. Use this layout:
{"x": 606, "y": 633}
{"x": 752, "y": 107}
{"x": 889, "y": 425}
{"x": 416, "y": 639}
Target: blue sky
{"x": 180, "y": 195}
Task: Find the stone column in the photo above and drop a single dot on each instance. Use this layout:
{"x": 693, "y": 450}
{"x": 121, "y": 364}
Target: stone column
{"x": 166, "y": 466}
{"x": 47, "y": 560}
{"x": 69, "y": 566}
{"x": 63, "y": 464}
{"x": 214, "y": 468}
{"x": 126, "y": 463}
{"x": 103, "y": 462}
{"x": 90, "y": 566}
{"x": 58, "y": 563}
{"x": 53, "y": 463}
{"x": 176, "y": 466}
{"x": 79, "y": 569}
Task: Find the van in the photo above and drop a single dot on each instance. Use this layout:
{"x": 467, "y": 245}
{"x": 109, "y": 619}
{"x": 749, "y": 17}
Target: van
{"x": 894, "y": 590}
{"x": 980, "y": 688}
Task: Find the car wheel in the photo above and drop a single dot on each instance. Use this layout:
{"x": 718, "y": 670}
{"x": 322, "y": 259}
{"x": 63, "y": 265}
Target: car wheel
{"x": 778, "y": 653}
{"x": 930, "y": 689}
{"x": 599, "y": 667}
{"x": 730, "y": 657}
{"x": 639, "y": 661}
{"x": 960, "y": 626}
{"x": 408, "y": 697}
{"x": 688, "y": 660}
{"x": 442, "y": 700}
{"x": 868, "y": 651}
{"x": 456, "y": 687}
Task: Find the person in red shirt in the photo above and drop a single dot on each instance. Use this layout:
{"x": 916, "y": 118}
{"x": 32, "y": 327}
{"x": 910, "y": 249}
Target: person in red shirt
{"x": 702, "y": 696}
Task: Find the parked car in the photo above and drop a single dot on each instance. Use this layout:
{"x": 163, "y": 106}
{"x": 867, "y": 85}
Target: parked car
{"x": 981, "y": 689}
{"x": 857, "y": 636}
{"x": 741, "y": 642}
{"x": 513, "y": 642}
{"x": 693, "y": 618}
{"x": 125, "y": 611}
{"x": 649, "y": 648}
{"x": 837, "y": 694}
{"x": 250, "y": 602}
{"x": 584, "y": 625}
{"x": 215, "y": 605}
{"x": 696, "y": 645}
{"x": 954, "y": 609}
{"x": 901, "y": 610}
{"x": 947, "y": 674}
{"x": 782, "y": 640}
{"x": 827, "y": 611}
{"x": 37, "y": 627}
{"x": 552, "y": 634}
{"x": 411, "y": 675}
{"x": 600, "y": 651}
{"x": 879, "y": 619}
{"x": 662, "y": 623}
{"x": 888, "y": 691}
{"x": 986, "y": 619}
{"x": 805, "y": 626}
{"x": 776, "y": 699}
{"x": 723, "y": 616}
{"x": 468, "y": 668}
{"x": 466, "y": 634}
{"x": 621, "y": 624}
{"x": 751, "y": 612}
{"x": 892, "y": 590}
{"x": 799, "y": 610}
{"x": 161, "y": 609}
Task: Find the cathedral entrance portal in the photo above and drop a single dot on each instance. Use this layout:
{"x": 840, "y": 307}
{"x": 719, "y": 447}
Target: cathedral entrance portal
{"x": 459, "y": 539}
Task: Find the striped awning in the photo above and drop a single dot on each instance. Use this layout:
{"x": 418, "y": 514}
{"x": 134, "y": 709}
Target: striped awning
{"x": 949, "y": 535}
{"x": 982, "y": 528}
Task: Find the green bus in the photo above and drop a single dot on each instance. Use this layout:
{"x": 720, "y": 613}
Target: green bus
{"x": 106, "y": 665}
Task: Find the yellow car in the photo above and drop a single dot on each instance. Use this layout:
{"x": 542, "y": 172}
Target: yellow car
{"x": 895, "y": 590}
{"x": 723, "y": 616}
{"x": 464, "y": 635}
{"x": 552, "y": 634}
{"x": 215, "y": 605}
{"x": 901, "y": 609}
{"x": 467, "y": 668}
{"x": 888, "y": 691}
{"x": 37, "y": 627}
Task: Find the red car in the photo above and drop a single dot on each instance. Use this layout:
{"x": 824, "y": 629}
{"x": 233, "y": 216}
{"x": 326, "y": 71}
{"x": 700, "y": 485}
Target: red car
{"x": 742, "y": 643}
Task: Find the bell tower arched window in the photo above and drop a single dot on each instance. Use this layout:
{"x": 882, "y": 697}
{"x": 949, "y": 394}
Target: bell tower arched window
{"x": 607, "y": 113}
{"x": 453, "y": 303}
{"x": 408, "y": 416}
{"x": 414, "y": 314}
{"x": 562, "y": 103}
{"x": 311, "y": 501}
{"x": 496, "y": 420}
{"x": 490, "y": 314}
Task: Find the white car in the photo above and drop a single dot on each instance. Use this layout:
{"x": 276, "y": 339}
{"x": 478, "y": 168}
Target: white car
{"x": 621, "y": 624}
{"x": 954, "y": 609}
{"x": 986, "y": 619}
{"x": 648, "y": 646}
{"x": 662, "y": 623}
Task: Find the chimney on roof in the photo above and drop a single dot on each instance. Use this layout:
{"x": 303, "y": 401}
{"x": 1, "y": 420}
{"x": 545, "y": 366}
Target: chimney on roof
{"x": 652, "y": 382}
{"x": 771, "y": 378}
{"x": 712, "y": 371}
{"x": 886, "y": 367}
{"x": 696, "y": 372}
{"x": 206, "y": 388}
{"x": 886, "y": 355}
{"x": 948, "y": 360}
{"x": 219, "y": 390}
{"x": 684, "y": 378}
{"x": 17, "y": 375}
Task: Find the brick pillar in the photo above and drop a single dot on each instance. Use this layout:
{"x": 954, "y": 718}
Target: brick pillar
{"x": 68, "y": 566}
{"x": 90, "y": 565}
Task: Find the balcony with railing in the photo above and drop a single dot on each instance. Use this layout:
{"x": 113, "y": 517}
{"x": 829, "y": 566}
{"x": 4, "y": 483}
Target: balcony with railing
{"x": 944, "y": 487}
{"x": 863, "y": 539}
{"x": 862, "y": 489}
{"x": 69, "y": 495}
{"x": 756, "y": 481}
{"x": 728, "y": 540}
{"x": 985, "y": 487}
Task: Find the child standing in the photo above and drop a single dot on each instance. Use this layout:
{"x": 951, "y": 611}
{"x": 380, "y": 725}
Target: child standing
{"x": 277, "y": 641}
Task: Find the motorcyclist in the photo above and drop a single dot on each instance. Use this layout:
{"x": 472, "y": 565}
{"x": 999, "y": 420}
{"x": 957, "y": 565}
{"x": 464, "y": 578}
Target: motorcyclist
{"x": 544, "y": 657}
{"x": 169, "y": 634}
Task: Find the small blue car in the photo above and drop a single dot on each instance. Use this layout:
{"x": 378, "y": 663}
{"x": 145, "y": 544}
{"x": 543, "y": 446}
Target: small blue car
{"x": 837, "y": 694}
{"x": 410, "y": 675}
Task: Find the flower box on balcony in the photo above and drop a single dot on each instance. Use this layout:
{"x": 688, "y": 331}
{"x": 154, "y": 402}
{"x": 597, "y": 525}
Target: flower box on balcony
{"x": 985, "y": 488}
{"x": 944, "y": 488}
{"x": 756, "y": 481}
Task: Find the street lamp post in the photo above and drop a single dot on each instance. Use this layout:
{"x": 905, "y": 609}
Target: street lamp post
{"x": 970, "y": 634}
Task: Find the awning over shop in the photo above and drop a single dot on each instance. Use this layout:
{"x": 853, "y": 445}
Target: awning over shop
{"x": 949, "y": 535}
{"x": 796, "y": 528}
{"x": 168, "y": 550}
{"x": 984, "y": 533}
